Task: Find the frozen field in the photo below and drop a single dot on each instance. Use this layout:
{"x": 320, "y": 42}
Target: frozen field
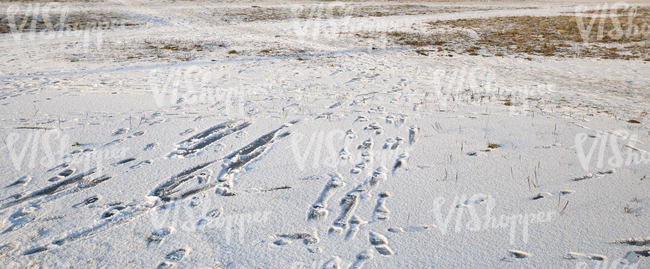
{"x": 268, "y": 134}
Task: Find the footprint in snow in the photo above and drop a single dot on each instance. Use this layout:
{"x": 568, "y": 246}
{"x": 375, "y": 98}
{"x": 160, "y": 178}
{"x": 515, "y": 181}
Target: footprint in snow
{"x": 157, "y": 236}
{"x": 88, "y": 201}
{"x": 136, "y": 134}
{"x": 381, "y": 243}
{"x": 177, "y": 255}
{"x": 241, "y": 134}
{"x": 20, "y": 182}
{"x": 142, "y": 163}
{"x": 634, "y": 256}
{"x": 575, "y": 255}
{"x": 150, "y": 146}
{"x": 634, "y": 241}
{"x": 516, "y": 255}
{"x": 121, "y": 131}
{"x": 412, "y": 229}
{"x": 547, "y": 194}
{"x": 188, "y": 131}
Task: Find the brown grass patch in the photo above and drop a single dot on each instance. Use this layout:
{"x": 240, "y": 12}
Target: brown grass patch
{"x": 521, "y": 36}
{"x": 326, "y": 11}
{"x": 73, "y": 21}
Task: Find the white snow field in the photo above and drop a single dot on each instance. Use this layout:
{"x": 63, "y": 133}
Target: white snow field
{"x": 268, "y": 134}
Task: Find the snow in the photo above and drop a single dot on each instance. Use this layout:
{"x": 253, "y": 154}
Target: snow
{"x": 321, "y": 152}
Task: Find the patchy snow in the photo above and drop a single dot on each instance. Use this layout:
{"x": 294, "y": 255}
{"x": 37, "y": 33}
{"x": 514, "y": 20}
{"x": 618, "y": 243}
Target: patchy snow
{"x": 190, "y": 141}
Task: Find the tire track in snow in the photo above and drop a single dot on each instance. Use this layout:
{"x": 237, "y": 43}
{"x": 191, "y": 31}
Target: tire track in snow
{"x": 124, "y": 214}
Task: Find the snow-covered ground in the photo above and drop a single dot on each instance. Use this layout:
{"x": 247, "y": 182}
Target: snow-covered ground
{"x": 185, "y": 134}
